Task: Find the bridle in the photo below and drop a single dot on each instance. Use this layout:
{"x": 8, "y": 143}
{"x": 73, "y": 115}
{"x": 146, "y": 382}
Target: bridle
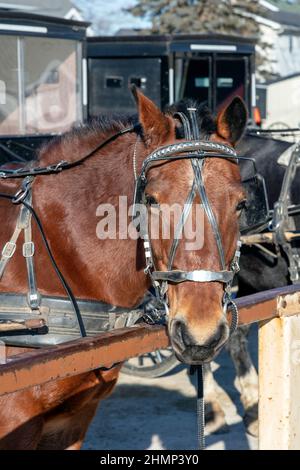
{"x": 197, "y": 151}
{"x": 23, "y": 197}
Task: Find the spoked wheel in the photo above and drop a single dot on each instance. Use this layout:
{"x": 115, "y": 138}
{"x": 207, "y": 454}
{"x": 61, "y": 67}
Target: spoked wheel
{"x": 151, "y": 365}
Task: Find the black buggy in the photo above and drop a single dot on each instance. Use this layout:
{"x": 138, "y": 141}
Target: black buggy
{"x": 42, "y": 81}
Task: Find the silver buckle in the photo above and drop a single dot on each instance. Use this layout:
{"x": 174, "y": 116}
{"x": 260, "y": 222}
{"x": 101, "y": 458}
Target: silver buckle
{"x": 28, "y": 249}
{"x": 9, "y": 250}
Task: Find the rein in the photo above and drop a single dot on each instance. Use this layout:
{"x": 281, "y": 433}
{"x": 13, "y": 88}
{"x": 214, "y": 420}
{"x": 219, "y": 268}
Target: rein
{"x": 64, "y": 165}
{"x": 62, "y": 279}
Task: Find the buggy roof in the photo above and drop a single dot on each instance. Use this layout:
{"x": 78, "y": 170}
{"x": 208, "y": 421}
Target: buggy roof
{"x": 162, "y": 45}
{"x": 14, "y": 23}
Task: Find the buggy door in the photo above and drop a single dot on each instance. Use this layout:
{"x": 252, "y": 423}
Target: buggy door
{"x": 231, "y": 78}
{"x": 109, "y": 80}
{"x": 193, "y": 79}
{"x": 212, "y": 79}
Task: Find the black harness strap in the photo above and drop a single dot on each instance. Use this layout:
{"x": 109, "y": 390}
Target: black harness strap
{"x": 184, "y": 215}
{"x": 64, "y": 165}
{"x": 62, "y": 279}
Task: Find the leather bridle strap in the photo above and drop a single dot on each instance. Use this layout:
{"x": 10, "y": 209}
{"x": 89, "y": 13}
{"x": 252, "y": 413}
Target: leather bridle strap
{"x": 202, "y": 275}
{"x": 196, "y": 151}
{"x": 197, "y": 167}
{"x": 178, "y": 232}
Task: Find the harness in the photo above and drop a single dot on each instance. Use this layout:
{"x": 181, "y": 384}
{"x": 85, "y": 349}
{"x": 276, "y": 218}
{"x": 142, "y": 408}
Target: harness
{"x": 194, "y": 149}
{"x": 24, "y": 224}
{"x": 282, "y": 220}
{"x": 23, "y": 197}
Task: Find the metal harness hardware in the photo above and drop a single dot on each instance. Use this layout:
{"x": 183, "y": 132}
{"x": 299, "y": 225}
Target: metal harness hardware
{"x": 282, "y": 221}
{"x": 28, "y": 248}
{"x": 23, "y": 225}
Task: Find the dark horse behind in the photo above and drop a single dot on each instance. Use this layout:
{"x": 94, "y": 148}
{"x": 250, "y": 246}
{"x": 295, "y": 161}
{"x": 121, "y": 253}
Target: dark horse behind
{"x": 259, "y": 270}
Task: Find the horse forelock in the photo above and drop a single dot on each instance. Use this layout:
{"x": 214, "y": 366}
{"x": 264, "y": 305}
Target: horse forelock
{"x": 206, "y": 121}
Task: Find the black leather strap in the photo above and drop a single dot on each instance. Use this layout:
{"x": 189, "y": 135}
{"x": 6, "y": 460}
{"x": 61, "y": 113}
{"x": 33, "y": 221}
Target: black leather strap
{"x": 63, "y": 165}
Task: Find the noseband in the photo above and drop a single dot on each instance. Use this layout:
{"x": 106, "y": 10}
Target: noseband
{"x": 197, "y": 151}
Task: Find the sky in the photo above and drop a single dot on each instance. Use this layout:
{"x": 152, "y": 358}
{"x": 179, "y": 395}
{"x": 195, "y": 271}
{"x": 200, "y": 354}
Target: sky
{"x": 108, "y": 16}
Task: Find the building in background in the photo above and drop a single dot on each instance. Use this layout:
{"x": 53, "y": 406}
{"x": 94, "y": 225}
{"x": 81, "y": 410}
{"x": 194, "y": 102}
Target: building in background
{"x": 57, "y": 8}
{"x": 279, "y": 23}
{"x": 280, "y": 27}
{"x": 278, "y": 99}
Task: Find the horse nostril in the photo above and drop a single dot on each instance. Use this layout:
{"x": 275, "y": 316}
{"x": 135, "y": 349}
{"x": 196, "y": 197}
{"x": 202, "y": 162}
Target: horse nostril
{"x": 181, "y": 335}
{"x": 217, "y": 337}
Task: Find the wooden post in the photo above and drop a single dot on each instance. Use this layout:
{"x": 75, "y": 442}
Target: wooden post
{"x": 279, "y": 378}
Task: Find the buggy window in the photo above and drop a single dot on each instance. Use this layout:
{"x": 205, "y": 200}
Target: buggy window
{"x": 51, "y": 98}
{"x": 9, "y": 90}
{"x": 39, "y": 85}
{"x": 231, "y": 78}
{"x": 193, "y": 79}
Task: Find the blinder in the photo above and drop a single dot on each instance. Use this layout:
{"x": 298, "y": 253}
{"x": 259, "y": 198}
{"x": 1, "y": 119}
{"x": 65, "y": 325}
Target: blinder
{"x": 256, "y": 210}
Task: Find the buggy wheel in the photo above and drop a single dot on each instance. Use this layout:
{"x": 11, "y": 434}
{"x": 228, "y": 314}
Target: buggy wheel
{"x": 151, "y": 365}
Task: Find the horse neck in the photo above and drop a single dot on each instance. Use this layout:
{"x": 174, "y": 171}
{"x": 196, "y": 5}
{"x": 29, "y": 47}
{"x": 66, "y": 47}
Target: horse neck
{"x": 69, "y": 203}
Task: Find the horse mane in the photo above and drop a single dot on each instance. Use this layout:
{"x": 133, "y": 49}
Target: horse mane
{"x": 83, "y": 138}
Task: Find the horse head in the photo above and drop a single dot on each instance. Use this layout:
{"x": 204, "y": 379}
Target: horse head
{"x": 198, "y": 324}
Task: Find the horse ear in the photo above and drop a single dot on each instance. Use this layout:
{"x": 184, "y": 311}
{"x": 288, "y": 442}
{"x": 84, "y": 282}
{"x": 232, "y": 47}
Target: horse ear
{"x": 157, "y": 128}
{"x": 232, "y": 120}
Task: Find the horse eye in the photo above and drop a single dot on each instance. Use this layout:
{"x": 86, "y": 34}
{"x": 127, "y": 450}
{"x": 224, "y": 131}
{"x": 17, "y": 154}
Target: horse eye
{"x": 150, "y": 200}
{"x": 241, "y": 205}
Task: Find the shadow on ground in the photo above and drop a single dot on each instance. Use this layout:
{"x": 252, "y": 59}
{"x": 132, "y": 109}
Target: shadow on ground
{"x": 161, "y": 413}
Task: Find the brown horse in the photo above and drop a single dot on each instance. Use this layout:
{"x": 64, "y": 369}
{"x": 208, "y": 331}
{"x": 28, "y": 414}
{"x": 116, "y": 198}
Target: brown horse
{"x": 56, "y": 415}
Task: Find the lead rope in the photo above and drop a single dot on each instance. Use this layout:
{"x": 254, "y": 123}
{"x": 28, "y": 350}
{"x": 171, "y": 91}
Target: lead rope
{"x": 200, "y": 408}
{"x": 189, "y": 134}
{"x": 156, "y": 315}
{"x": 200, "y": 384}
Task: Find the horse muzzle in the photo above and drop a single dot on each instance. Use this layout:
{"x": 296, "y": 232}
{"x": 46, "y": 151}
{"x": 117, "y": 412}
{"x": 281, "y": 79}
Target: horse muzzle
{"x": 191, "y": 351}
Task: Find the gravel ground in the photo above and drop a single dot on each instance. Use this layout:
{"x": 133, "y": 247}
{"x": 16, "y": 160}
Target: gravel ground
{"x": 160, "y": 413}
